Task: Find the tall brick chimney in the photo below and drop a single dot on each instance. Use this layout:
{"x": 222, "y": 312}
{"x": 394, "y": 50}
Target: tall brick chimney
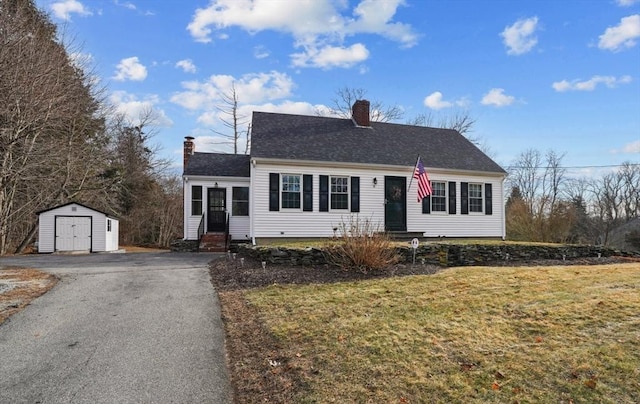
{"x": 360, "y": 113}
{"x": 188, "y": 149}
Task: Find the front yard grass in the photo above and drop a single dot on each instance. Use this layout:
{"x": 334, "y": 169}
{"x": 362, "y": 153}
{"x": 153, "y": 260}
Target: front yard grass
{"x": 473, "y": 334}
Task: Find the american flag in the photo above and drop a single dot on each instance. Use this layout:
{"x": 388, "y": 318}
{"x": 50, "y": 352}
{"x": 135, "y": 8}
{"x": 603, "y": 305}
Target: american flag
{"x": 424, "y": 185}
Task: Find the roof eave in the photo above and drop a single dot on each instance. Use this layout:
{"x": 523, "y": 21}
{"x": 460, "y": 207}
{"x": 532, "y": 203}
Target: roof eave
{"x": 378, "y": 167}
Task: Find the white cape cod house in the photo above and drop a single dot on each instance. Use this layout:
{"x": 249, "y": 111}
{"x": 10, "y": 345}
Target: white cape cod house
{"x": 307, "y": 174}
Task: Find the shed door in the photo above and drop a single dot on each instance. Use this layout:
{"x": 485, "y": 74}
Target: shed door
{"x": 73, "y": 233}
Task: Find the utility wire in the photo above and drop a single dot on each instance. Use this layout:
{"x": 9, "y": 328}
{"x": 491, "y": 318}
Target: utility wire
{"x": 577, "y": 167}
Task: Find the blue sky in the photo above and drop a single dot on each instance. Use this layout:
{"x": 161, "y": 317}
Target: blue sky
{"x": 542, "y": 74}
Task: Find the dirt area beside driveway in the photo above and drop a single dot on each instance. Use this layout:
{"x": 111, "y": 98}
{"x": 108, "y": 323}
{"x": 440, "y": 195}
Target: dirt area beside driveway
{"x": 19, "y": 286}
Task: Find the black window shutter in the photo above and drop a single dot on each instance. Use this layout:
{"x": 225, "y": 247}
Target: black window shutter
{"x": 324, "y": 193}
{"x": 488, "y": 200}
{"x": 464, "y": 198}
{"x": 426, "y": 204}
{"x": 452, "y": 197}
{"x": 307, "y": 193}
{"x": 355, "y": 194}
{"x": 274, "y": 191}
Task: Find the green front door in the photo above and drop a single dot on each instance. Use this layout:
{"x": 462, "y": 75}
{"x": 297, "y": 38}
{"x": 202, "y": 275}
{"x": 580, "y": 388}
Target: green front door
{"x": 395, "y": 204}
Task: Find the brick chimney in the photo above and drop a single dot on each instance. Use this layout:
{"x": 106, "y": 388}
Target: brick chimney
{"x": 360, "y": 113}
{"x": 189, "y": 146}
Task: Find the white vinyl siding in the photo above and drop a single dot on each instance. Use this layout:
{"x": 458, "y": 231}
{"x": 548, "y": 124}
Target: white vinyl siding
{"x": 460, "y": 225}
{"x": 292, "y": 223}
{"x": 238, "y": 225}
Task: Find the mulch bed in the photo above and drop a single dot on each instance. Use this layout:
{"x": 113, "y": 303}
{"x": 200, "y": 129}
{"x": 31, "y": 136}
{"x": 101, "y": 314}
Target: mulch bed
{"x": 252, "y": 350}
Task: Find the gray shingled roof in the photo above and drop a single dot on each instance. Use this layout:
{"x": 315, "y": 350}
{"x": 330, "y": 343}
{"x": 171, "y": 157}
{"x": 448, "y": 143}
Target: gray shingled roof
{"x": 218, "y": 164}
{"x": 301, "y": 137}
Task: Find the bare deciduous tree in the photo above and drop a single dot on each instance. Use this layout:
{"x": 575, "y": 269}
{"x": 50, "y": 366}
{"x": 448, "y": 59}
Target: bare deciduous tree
{"x": 233, "y": 121}
{"x": 48, "y": 120}
{"x": 540, "y": 181}
{"x": 345, "y": 97}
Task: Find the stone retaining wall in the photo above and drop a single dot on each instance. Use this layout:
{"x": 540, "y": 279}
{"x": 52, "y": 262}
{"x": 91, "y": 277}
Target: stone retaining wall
{"x": 442, "y": 254}
{"x": 184, "y": 245}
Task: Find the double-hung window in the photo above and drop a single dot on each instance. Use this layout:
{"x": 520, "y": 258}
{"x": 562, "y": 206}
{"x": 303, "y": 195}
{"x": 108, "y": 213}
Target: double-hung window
{"x": 240, "y": 201}
{"x": 196, "y": 200}
{"x": 475, "y": 198}
{"x": 290, "y": 191}
{"x": 438, "y": 196}
{"x": 339, "y": 192}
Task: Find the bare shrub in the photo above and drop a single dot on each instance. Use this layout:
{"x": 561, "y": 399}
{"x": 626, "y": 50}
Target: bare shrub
{"x": 362, "y": 247}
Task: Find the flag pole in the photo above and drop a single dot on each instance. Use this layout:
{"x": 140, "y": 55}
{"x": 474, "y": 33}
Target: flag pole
{"x": 414, "y": 170}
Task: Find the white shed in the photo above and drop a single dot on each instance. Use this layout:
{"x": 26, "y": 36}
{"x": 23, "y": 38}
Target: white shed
{"x": 76, "y": 227}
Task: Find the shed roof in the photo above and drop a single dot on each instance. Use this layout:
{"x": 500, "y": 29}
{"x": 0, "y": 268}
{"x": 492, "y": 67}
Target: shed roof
{"x": 75, "y": 203}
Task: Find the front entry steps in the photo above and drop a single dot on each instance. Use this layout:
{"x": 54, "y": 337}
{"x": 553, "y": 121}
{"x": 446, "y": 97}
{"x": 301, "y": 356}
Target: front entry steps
{"x": 405, "y": 235}
{"x": 214, "y": 242}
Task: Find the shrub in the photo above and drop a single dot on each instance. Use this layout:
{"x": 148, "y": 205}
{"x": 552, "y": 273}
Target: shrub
{"x": 361, "y": 247}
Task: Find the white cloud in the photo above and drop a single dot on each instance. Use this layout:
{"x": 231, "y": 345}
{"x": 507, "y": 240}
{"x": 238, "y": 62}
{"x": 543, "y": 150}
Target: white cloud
{"x": 250, "y": 88}
{"x": 519, "y": 38}
{"x": 623, "y": 35}
{"x": 186, "y": 65}
{"x": 130, "y": 69}
{"x": 133, "y": 108}
{"x": 260, "y": 52}
{"x": 374, "y": 17}
{"x": 126, "y": 4}
{"x": 590, "y": 85}
{"x": 633, "y": 147}
{"x": 498, "y": 98}
{"x": 629, "y": 148}
{"x": 64, "y": 9}
{"x": 434, "y": 101}
{"x": 331, "y": 56}
{"x": 319, "y": 26}
{"x": 627, "y": 3}
{"x": 212, "y": 118}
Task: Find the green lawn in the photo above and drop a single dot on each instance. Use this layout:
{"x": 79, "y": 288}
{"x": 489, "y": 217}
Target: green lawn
{"x": 474, "y": 334}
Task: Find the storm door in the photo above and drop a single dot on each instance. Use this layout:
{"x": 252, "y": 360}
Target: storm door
{"x": 395, "y": 204}
{"x": 216, "y": 209}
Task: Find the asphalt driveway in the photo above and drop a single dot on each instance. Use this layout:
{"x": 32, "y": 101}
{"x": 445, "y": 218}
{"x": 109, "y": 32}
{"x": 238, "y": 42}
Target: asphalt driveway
{"x": 118, "y": 328}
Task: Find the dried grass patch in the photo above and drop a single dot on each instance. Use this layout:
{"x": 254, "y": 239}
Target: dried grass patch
{"x": 474, "y": 334}
{"x": 23, "y": 286}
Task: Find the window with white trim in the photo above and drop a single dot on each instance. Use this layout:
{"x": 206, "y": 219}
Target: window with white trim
{"x": 108, "y": 225}
{"x": 240, "y": 201}
{"x": 438, "y": 196}
{"x": 339, "y": 193}
{"x": 196, "y": 200}
{"x": 475, "y": 198}
{"x": 290, "y": 187}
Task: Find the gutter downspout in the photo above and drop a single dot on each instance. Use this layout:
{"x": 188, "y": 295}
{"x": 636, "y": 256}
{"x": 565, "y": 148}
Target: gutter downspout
{"x": 503, "y": 211}
{"x": 252, "y": 204}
